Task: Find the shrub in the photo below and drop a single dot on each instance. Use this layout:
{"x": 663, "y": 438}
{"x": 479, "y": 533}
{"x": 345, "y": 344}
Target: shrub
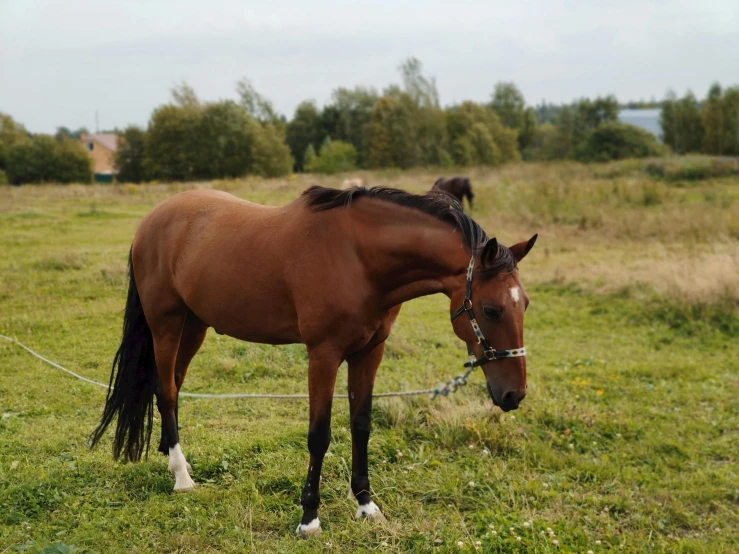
{"x": 334, "y": 156}
{"x": 43, "y": 159}
{"x": 617, "y": 141}
{"x": 129, "y": 159}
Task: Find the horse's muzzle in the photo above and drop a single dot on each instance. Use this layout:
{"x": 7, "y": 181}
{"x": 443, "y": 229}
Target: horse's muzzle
{"x": 510, "y": 400}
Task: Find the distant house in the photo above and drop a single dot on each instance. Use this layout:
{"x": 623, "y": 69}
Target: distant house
{"x": 101, "y": 147}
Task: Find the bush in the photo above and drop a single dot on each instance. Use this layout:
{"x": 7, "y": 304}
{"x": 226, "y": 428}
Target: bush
{"x": 42, "y": 159}
{"x": 335, "y": 156}
{"x": 129, "y": 159}
{"x": 617, "y": 141}
{"x": 270, "y": 155}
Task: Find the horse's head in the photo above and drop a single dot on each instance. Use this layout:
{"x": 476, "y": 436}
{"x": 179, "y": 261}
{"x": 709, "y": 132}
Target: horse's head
{"x": 487, "y": 313}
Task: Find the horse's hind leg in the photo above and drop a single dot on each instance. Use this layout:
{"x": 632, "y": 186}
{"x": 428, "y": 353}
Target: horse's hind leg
{"x": 362, "y": 371}
{"x": 191, "y": 339}
{"x": 166, "y": 330}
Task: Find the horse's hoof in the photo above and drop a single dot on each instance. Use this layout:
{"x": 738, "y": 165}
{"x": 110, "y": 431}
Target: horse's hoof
{"x": 184, "y": 484}
{"x": 369, "y": 511}
{"x": 311, "y": 529}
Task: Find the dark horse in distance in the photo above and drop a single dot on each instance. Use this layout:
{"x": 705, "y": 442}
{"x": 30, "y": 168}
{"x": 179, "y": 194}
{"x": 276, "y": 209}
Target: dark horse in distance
{"x": 329, "y": 270}
{"x": 457, "y": 187}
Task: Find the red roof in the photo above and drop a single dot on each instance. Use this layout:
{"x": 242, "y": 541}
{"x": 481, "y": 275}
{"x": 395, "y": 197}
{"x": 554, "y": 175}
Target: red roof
{"x": 106, "y": 140}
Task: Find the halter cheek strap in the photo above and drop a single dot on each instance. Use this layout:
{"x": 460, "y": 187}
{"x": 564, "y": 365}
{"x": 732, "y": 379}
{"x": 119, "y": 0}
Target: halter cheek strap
{"x": 489, "y": 354}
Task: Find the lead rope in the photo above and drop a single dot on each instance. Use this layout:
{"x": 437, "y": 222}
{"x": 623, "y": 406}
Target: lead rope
{"x": 442, "y": 390}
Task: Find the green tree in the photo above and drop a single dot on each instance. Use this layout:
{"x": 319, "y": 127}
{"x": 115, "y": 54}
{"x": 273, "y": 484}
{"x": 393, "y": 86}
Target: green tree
{"x": 335, "y": 156}
{"x": 544, "y": 145}
{"x": 565, "y": 134}
{"x": 345, "y": 118}
{"x": 422, "y": 90}
{"x": 465, "y": 147}
{"x": 390, "y": 136}
{"x": 617, "y": 141}
{"x": 713, "y": 121}
{"x": 11, "y": 132}
{"x": 43, "y": 159}
{"x": 680, "y": 120}
{"x": 129, "y": 159}
{"x": 509, "y": 104}
{"x": 270, "y": 155}
{"x": 304, "y": 130}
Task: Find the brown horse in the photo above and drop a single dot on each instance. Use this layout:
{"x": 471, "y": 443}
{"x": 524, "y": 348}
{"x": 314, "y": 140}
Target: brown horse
{"x": 329, "y": 270}
{"x": 457, "y": 187}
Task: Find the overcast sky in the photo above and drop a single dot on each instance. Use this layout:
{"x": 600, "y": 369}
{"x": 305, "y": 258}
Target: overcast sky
{"x": 60, "y": 61}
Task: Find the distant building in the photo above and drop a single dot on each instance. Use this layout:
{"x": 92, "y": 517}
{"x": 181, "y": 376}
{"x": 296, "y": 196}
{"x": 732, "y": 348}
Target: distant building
{"x": 101, "y": 147}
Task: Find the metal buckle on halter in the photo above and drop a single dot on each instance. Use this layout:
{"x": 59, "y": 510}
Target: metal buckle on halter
{"x": 489, "y": 354}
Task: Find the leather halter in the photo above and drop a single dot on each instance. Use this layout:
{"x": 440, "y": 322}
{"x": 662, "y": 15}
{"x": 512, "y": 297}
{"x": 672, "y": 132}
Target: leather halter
{"x": 489, "y": 353}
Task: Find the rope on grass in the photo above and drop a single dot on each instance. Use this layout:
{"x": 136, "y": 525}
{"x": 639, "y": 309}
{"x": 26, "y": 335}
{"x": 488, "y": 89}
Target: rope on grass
{"x": 442, "y": 390}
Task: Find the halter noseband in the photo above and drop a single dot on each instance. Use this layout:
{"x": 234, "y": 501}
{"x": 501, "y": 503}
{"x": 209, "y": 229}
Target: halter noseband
{"x": 489, "y": 353}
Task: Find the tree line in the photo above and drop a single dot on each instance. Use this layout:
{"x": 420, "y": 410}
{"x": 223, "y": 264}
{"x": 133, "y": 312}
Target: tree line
{"x": 403, "y": 126}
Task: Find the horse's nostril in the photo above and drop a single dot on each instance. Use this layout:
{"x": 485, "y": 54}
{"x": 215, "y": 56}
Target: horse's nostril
{"x": 510, "y": 400}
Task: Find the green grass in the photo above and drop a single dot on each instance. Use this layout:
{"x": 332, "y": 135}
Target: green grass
{"x": 628, "y": 435}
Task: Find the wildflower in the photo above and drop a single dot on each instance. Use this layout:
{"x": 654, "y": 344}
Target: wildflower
{"x": 472, "y": 447}
{"x": 545, "y": 485}
{"x": 471, "y": 483}
{"x": 599, "y": 392}
{"x": 570, "y": 446}
{"x": 485, "y": 452}
{"x": 491, "y": 526}
{"x": 460, "y": 544}
{"x": 383, "y": 544}
{"x": 526, "y": 524}
{"x": 555, "y": 542}
{"x": 590, "y": 552}
{"x": 493, "y": 532}
{"x": 549, "y": 529}
{"x": 518, "y": 538}
{"x": 597, "y": 543}
{"x": 478, "y": 543}
{"x": 399, "y": 454}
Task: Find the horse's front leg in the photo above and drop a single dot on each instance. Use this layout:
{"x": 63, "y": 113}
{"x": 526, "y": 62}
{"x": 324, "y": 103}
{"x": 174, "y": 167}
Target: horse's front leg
{"x": 322, "y": 369}
{"x": 362, "y": 371}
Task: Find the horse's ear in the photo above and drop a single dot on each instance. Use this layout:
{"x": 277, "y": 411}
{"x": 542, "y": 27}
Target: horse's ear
{"x": 522, "y": 248}
{"x": 489, "y": 251}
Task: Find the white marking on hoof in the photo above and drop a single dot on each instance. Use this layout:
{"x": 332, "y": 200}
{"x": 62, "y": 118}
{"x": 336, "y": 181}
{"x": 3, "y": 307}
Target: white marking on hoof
{"x": 370, "y": 511}
{"x": 515, "y": 294}
{"x": 179, "y": 466}
{"x": 312, "y": 529}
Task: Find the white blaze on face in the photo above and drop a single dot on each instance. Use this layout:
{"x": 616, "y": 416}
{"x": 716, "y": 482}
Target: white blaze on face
{"x": 515, "y": 294}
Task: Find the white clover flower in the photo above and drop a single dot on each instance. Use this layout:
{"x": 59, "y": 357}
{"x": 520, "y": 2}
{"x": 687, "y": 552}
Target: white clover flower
{"x": 471, "y": 483}
{"x": 518, "y": 538}
{"x": 460, "y": 544}
{"x": 526, "y": 524}
{"x": 597, "y": 543}
{"x": 555, "y": 542}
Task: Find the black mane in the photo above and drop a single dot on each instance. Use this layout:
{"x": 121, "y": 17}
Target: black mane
{"x": 440, "y": 206}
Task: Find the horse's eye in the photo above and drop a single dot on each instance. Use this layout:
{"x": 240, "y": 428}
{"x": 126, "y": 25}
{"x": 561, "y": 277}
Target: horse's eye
{"x": 493, "y": 313}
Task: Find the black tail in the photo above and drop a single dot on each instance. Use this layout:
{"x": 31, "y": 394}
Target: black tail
{"x": 131, "y": 396}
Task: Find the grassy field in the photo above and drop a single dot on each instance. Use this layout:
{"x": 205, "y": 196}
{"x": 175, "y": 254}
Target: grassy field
{"x": 627, "y": 441}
